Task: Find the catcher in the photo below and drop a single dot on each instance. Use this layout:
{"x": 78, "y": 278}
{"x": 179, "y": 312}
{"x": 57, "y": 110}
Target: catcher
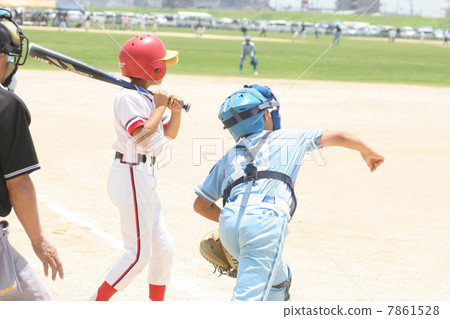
{"x": 256, "y": 180}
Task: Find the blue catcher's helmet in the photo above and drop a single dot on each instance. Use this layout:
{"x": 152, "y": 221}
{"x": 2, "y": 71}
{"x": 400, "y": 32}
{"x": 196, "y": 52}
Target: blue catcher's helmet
{"x": 242, "y": 112}
{"x": 268, "y": 94}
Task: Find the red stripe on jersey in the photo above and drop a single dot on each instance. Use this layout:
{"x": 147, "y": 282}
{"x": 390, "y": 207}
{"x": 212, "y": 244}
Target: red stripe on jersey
{"x": 131, "y": 120}
{"x": 135, "y": 125}
{"x": 138, "y": 235}
{"x": 164, "y": 120}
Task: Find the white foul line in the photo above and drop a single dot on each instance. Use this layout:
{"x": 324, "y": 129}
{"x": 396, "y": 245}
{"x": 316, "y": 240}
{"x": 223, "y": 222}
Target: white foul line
{"x": 80, "y": 221}
{"x": 186, "y": 282}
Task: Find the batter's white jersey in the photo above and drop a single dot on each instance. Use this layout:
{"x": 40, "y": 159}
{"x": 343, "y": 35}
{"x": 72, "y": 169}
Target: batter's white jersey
{"x": 131, "y": 110}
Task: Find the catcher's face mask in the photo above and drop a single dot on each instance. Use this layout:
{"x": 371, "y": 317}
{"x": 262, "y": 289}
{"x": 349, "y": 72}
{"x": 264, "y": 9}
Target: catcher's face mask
{"x": 12, "y": 42}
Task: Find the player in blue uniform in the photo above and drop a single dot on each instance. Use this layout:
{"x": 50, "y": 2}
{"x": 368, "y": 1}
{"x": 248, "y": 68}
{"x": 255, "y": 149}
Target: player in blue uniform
{"x": 256, "y": 181}
{"x": 248, "y": 49}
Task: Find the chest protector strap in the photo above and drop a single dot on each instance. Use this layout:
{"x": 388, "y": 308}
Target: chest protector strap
{"x": 251, "y": 173}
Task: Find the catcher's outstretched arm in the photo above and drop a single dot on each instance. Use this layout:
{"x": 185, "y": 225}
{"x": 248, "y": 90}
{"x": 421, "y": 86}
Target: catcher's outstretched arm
{"x": 344, "y": 139}
{"x": 207, "y": 209}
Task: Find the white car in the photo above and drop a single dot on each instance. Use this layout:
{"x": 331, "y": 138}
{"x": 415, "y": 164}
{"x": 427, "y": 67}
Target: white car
{"x": 278, "y": 26}
{"x": 427, "y": 31}
{"x": 98, "y": 17}
{"x": 439, "y": 34}
{"x": 408, "y": 32}
{"x": 369, "y": 31}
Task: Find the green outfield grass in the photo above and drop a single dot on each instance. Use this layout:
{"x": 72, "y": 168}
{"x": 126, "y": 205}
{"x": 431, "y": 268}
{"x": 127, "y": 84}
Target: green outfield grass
{"x": 354, "y": 60}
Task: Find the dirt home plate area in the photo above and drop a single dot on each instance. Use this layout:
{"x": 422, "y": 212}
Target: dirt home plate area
{"x": 356, "y": 235}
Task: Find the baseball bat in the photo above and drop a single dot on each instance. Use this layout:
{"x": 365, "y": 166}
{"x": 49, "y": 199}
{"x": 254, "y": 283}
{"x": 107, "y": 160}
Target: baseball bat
{"x": 70, "y": 64}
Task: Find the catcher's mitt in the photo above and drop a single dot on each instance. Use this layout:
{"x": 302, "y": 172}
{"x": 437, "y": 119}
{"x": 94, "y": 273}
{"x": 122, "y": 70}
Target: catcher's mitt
{"x": 213, "y": 251}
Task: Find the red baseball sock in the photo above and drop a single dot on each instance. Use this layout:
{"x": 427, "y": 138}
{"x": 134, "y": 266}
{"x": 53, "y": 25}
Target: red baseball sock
{"x": 105, "y": 292}
{"x": 157, "y": 292}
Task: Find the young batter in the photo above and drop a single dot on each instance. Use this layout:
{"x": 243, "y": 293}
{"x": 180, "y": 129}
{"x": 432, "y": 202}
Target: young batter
{"x": 131, "y": 181}
{"x": 256, "y": 181}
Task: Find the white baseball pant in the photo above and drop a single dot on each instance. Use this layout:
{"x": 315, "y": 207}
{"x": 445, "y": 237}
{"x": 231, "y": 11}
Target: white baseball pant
{"x": 145, "y": 236}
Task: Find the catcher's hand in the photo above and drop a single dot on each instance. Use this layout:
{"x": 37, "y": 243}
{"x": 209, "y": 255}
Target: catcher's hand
{"x": 213, "y": 251}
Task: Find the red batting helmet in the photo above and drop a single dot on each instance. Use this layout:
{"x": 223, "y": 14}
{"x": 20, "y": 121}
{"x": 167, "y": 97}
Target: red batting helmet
{"x": 145, "y": 57}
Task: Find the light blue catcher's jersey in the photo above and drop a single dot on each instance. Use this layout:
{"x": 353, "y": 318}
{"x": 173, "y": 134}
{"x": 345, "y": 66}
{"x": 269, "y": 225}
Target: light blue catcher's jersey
{"x": 248, "y": 49}
{"x": 283, "y": 151}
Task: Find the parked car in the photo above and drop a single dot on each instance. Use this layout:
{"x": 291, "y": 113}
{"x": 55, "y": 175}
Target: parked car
{"x": 227, "y": 23}
{"x": 353, "y": 28}
{"x": 309, "y": 27}
{"x": 98, "y": 17}
{"x": 428, "y": 32}
{"x": 134, "y": 18}
{"x": 408, "y": 32}
{"x": 324, "y": 27}
{"x": 439, "y": 34}
{"x": 351, "y": 31}
{"x": 190, "y": 19}
{"x": 369, "y": 31}
{"x": 384, "y": 30}
{"x": 257, "y": 25}
{"x": 373, "y": 30}
{"x": 166, "y": 19}
{"x": 74, "y": 16}
{"x": 109, "y": 17}
{"x": 361, "y": 31}
{"x": 278, "y": 26}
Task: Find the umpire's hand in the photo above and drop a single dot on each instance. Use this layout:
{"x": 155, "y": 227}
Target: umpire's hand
{"x": 49, "y": 257}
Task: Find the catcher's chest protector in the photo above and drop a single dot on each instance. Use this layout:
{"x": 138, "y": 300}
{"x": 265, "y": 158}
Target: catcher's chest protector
{"x": 251, "y": 173}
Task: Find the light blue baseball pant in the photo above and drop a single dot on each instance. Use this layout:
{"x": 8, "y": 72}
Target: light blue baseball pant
{"x": 252, "y": 59}
{"x": 256, "y": 240}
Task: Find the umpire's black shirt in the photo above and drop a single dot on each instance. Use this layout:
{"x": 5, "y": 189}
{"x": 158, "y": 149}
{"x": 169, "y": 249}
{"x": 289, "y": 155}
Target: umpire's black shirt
{"x": 17, "y": 153}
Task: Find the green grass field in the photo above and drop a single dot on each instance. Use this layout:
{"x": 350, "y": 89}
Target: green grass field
{"x": 354, "y": 60}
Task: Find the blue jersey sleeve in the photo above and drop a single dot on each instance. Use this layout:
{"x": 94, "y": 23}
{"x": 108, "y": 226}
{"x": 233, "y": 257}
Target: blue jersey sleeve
{"x": 210, "y": 188}
{"x": 309, "y": 139}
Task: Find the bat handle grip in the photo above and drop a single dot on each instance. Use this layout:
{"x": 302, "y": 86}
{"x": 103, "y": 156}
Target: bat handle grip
{"x": 186, "y": 106}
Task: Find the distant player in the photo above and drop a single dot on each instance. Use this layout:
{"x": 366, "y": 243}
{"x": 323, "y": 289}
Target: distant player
{"x": 199, "y": 29}
{"x": 256, "y": 180}
{"x": 303, "y": 31}
{"x": 263, "y": 29}
{"x": 337, "y": 35}
{"x": 392, "y": 35}
{"x": 446, "y": 36}
{"x": 248, "y": 49}
{"x": 294, "y": 31}
{"x": 131, "y": 181}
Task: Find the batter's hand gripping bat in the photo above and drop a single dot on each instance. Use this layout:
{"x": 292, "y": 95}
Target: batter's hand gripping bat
{"x": 79, "y": 67}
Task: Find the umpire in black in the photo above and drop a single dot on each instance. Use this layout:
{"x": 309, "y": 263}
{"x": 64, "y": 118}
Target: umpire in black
{"x": 17, "y": 160}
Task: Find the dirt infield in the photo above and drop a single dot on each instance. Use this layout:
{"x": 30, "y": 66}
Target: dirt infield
{"x": 355, "y": 235}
